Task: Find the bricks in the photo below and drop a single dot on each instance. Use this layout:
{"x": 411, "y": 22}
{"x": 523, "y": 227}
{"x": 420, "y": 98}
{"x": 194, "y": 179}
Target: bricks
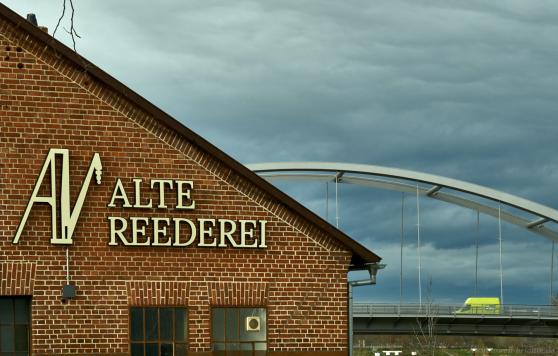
{"x": 52, "y": 103}
{"x": 156, "y": 293}
{"x": 17, "y": 278}
{"x": 238, "y": 294}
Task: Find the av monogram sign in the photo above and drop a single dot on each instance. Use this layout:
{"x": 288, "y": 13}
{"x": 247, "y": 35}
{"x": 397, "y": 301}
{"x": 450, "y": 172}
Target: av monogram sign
{"x": 154, "y": 230}
{"x": 68, "y": 216}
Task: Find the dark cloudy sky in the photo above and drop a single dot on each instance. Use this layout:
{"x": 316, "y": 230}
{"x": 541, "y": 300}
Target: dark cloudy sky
{"x": 464, "y": 89}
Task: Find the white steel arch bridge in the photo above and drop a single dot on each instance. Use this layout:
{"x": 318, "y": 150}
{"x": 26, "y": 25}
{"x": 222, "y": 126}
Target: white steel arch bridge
{"x": 529, "y": 215}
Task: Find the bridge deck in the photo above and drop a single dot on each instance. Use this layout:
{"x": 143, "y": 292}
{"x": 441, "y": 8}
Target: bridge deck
{"x": 510, "y": 320}
{"x": 457, "y": 311}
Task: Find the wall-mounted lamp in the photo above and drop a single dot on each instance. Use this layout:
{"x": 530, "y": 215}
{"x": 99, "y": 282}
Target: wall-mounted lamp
{"x": 68, "y": 292}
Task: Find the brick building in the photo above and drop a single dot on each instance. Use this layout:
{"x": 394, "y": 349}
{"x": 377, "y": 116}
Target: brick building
{"x": 123, "y": 232}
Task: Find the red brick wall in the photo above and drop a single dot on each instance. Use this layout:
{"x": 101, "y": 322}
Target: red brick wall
{"x": 46, "y": 102}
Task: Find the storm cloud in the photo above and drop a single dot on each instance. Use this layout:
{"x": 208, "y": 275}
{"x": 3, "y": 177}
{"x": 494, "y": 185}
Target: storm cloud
{"x": 461, "y": 89}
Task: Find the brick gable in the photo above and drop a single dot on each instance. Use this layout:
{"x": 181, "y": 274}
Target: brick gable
{"x": 48, "y": 101}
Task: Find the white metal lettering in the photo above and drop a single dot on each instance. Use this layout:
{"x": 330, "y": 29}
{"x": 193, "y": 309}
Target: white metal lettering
{"x": 68, "y": 216}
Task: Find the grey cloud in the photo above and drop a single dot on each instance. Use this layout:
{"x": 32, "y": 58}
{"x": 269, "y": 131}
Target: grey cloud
{"x": 460, "y": 89}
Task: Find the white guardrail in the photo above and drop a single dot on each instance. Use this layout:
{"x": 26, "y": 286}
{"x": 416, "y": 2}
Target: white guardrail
{"x": 437, "y": 310}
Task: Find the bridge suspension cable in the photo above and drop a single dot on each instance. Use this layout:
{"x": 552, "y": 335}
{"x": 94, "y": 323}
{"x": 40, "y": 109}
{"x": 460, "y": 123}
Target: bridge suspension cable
{"x": 550, "y": 298}
{"x": 500, "y": 244}
{"x": 477, "y": 255}
{"x": 337, "y": 200}
{"x": 418, "y": 249}
{"x": 401, "y": 250}
{"x": 327, "y": 202}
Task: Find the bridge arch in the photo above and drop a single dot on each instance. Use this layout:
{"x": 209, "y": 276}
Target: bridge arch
{"x": 441, "y": 188}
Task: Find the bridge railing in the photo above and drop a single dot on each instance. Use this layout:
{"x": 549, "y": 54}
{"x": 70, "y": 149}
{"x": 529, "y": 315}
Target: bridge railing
{"x": 409, "y": 310}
